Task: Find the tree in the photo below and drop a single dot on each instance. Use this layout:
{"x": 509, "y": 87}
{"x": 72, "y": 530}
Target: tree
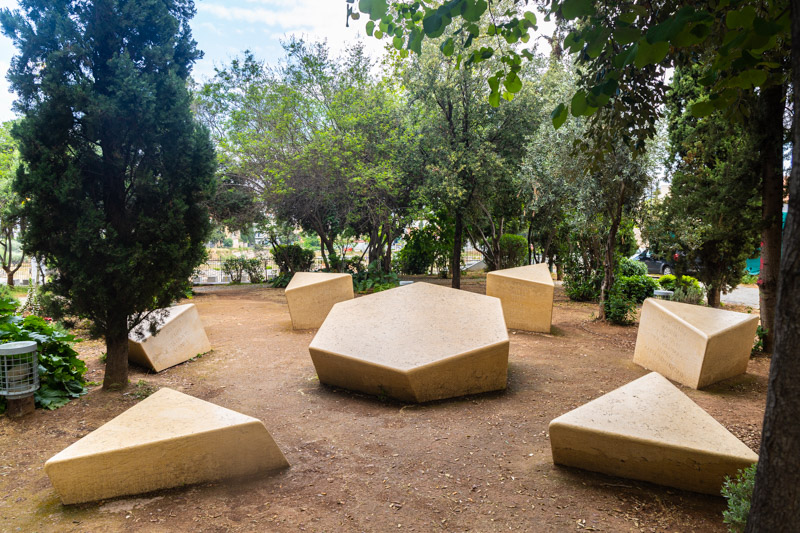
{"x": 116, "y": 167}
{"x": 630, "y": 39}
{"x": 11, "y": 223}
{"x": 712, "y": 212}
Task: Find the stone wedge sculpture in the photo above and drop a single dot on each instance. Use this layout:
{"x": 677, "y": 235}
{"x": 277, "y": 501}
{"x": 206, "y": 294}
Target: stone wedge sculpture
{"x": 179, "y": 338}
{"x": 311, "y": 295}
{"x": 527, "y": 296}
{"x": 693, "y": 345}
{"x": 167, "y": 440}
{"x": 416, "y": 343}
{"x": 650, "y": 431}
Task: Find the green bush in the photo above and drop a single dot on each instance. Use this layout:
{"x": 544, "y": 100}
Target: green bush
{"x": 620, "y": 309}
{"x": 758, "y": 343}
{"x": 582, "y": 288}
{"x": 292, "y": 258}
{"x": 374, "y": 279}
{"x": 351, "y": 265}
{"x": 255, "y": 270}
{"x": 635, "y": 288}
{"x": 630, "y": 267}
{"x": 669, "y": 283}
{"x": 281, "y": 281}
{"x": 738, "y": 492}
{"x": 513, "y": 251}
{"x": 234, "y": 267}
{"x": 60, "y": 370}
{"x": 749, "y": 279}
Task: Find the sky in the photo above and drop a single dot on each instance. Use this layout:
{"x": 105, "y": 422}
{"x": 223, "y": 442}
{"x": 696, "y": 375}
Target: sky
{"x": 223, "y": 29}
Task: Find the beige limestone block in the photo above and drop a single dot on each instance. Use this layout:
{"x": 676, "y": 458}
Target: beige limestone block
{"x": 311, "y": 295}
{"x": 650, "y": 431}
{"x": 179, "y": 338}
{"x": 167, "y": 440}
{"x": 693, "y": 345}
{"x": 526, "y": 293}
{"x": 416, "y": 343}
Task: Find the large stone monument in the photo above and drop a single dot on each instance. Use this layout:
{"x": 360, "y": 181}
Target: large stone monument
{"x": 311, "y": 295}
{"x": 179, "y": 338}
{"x": 650, "y": 431}
{"x": 527, "y": 296}
{"x": 694, "y": 345}
{"x": 167, "y": 440}
{"x": 416, "y": 343}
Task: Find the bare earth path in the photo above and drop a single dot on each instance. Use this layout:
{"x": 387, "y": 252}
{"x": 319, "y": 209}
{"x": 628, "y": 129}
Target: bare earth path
{"x": 480, "y": 463}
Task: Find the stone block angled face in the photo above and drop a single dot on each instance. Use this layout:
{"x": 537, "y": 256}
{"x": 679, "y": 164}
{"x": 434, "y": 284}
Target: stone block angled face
{"x": 167, "y": 440}
{"x": 527, "y": 296}
{"x": 417, "y": 343}
{"x": 693, "y": 345}
{"x": 311, "y": 295}
{"x": 650, "y": 431}
{"x": 179, "y": 338}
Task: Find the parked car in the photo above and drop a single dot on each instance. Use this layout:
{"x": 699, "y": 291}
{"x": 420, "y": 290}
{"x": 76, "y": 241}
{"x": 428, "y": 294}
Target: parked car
{"x": 654, "y": 264}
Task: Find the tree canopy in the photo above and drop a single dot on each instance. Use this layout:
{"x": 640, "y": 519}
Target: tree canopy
{"x": 116, "y": 168}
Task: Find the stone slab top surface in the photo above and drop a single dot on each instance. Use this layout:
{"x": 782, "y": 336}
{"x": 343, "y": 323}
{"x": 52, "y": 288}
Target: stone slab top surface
{"x": 164, "y": 415}
{"x": 303, "y": 279}
{"x": 707, "y": 320}
{"x": 412, "y": 326}
{"x": 651, "y": 409}
{"x": 537, "y": 273}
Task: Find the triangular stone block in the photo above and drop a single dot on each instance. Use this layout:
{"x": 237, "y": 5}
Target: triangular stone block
{"x": 692, "y": 344}
{"x": 417, "y": 343}
{"x": 650, "y": 431}
{"x": 526, "y": 293}
{"x": 167, "y": 440}
{"x": 179, "y": 338}
{"x": 311, "y": 295}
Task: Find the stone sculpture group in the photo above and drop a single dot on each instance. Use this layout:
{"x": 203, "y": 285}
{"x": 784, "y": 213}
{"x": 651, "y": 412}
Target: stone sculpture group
{"x": 420, "y": 343}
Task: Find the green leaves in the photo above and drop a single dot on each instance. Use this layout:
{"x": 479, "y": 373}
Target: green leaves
{"x": 376, "y": 9}
{"x": 742, "y": 18}
{"x": 512, "y": 83}
{"x": 472, "y": 10}
{"x": 650, "y": 54}
{"x": 579, "y": 106}
{"x": 447, "y": 47}
{"x": 572, "y": 9}
{"x": 559, "y": 115}
{"x": 370, "y": 28}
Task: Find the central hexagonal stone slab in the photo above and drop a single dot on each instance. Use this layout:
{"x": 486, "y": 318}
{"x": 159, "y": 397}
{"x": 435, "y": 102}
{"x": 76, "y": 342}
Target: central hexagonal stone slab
{"x": 416, "y": 343}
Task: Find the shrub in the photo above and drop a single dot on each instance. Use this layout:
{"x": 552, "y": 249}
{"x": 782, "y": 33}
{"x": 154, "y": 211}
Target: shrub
{"x": 234, "y": 267}
{"x": 738, "y": 492}
{"x": 667, "y": 282}
{"x": 749, "y": 279}
{"x": 630, "y": 267}
{"x": 418, "y": 253}
{"x": 281, "y": 281}
{"x": 374, "y": 279}
{"x": 582, "y": 288}
{"x": 293, "y": 258}
{"x": 60, "y": 370}
{"x": 758, "y": 343}
{"x": 255, "y": 270}
{"x": 513, "y": 250}
{"x": 351, "y": 265}
{"x": 620, "y": 309}
{"x": 636, "y": 288}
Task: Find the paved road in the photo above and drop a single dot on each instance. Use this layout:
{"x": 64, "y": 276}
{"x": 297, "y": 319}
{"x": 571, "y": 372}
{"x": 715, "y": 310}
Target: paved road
{"x": 742, "y": 296}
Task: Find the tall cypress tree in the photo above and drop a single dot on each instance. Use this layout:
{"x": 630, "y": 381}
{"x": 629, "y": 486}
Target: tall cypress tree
{"x": 117, "y": 168}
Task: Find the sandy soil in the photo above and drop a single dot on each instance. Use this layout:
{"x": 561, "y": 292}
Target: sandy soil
{"x": 479, "y": 463}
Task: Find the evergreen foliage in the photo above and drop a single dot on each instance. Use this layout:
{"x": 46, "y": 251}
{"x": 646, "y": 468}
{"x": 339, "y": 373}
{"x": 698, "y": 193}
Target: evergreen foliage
{"x": 116, "y": 169}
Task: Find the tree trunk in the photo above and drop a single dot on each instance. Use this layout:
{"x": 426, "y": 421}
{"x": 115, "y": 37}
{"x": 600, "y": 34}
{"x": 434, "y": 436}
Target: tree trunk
{"x": 770, "y": 145}
{"x": 9, "y": 278}
{"x": 776, "y": 499}
{"x": 713, "y": 296}
{"x": 559, "y": 271}
{"x": 458, "y": 237}
{"x": 116, "y": 376}
{"x": 530, "y": 242}
{"x": 608, "y": 263}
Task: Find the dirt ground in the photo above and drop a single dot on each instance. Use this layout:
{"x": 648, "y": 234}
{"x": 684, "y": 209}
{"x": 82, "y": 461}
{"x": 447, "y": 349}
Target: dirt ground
{"x": 479, "y": 463}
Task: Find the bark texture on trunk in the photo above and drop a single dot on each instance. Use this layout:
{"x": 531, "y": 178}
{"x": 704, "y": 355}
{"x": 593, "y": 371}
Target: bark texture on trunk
{"x": 116, "y": 376}
{"x": 458, "y": 240}
{"x": 713, "y": 296}
{"x": 776, "y": 499}
{"x": 770, "y": 135}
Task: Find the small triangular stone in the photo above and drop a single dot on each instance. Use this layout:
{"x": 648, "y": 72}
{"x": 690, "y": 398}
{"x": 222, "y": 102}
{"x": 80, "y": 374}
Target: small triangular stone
{"x": 311, "y": 295}
{"x": 167, "y": 440}
{"x": 651, "y": 431}
{"x": 526, "y": 294}
{"x": 179, "y": 338}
